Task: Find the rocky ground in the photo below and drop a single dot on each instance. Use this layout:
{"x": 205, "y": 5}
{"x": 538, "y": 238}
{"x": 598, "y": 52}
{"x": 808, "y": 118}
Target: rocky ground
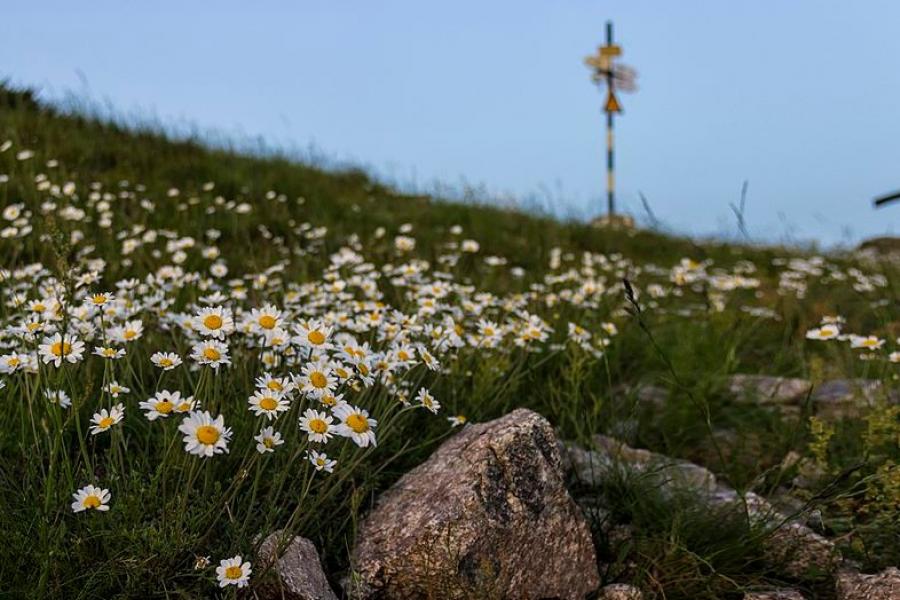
{"x": 505, "y": 509}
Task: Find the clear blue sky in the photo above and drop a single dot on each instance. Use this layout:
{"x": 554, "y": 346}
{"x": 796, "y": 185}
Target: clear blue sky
{"x": 800, "y": 98}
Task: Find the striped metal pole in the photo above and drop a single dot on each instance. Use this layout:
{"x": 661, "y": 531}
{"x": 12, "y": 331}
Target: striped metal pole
{"x": 610, "y": 139}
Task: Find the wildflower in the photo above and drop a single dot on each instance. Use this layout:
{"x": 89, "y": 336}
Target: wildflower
{"x": 894, "y": 357}
{"x": 10, "y": 363}
{"x": 212, "y": 353}
{"x": 457, "y": 420}
{"x": 165, "y": 360}
{"x": 215, "y": 322}
{"x": 267, "y": 440}
{"x": 232, "y": 571}
{"x": 161, "y": 404}
{"x": 317, "y": 425}
{"x": 825, "y": 332}
{"x": 268, "y": 403}
{"x": 105, "y": 419}
{"x": 317, "y": 379}
{"x": 203, "y": 435}
{"x": 321, "y": 461}
{"x": 425, "y": 398}
{"x": 114, "y": 389}
{"x": 355, "y": 424}
{"x": 265, "y": 318}
{"x": 129, "y": 332}
{"x": 109, "y": 352}
{"x": 91, "y": 498}
{"x": 100, "y": 299}
{"x": 275, "y": 384}
{"x": 313, "y": 335}
{"x": 870, "y": 342}
{"x": 58, "y": 397}
{"x": 55, "y": 350}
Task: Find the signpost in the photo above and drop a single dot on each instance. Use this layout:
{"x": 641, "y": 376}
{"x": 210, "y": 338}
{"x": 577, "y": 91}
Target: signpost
{"x": 609, "y": 73}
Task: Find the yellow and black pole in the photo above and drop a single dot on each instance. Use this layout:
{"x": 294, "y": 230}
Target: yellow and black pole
{"x": 610, "y": 132}
{"x": 613, "y": 77}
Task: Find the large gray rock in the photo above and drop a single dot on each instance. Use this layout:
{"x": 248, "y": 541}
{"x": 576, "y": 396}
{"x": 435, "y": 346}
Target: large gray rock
{"x": 791, "y": 546}
{"x": 297, "y": 571}
{"x": 487, "y": 515}
{"x": 840, "y": 398}
{"x": 880, "y": 586}
{"x": 769, "y": 390}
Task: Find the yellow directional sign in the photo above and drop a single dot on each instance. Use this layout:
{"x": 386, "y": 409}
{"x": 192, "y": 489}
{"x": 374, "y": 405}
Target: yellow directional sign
{"x": 611, "y": 50}
{"x": 612, "y": 103}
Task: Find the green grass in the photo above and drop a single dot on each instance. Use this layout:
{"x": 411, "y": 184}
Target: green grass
{"x": 169, "y": 508}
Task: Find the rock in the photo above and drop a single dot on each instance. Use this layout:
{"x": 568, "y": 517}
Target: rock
{"x": 487, "y": 515}
{"x": 840, "y": 398}
{"x": 590, "y": 465}
{"x": 792, "y": 547}
{"x": 852, "y": 585}
{"x": 298, "y": 572}
{"x": 620, "y": 591}
{"x": 779, "y": 594}
{"x": 769, "y": 390}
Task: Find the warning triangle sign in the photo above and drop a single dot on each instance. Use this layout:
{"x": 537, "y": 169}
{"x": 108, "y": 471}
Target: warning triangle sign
{"x": 612, "y": 103}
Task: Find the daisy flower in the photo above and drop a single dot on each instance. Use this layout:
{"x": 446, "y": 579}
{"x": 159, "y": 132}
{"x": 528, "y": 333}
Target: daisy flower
{"x": 870, "y": 342}
{"x": 321, "y": 461}
{"x": 161, "y": 404}
{"x": 55, "y": 350}
{"x": 10, "y": 363}
{"x": 129, "y": 332}
{"x": 105, "y": 419}
{"x": 232, "y": 571}
{"x": 212, "y": 353}
{"x": 99, "y": 299}
{"x": 317, "y": 425}
{"x": 457, "y": 420}
{"x": 275, "y": 384}
{"x": 58, "y": 397}
{"x": 267, "y": 440}
{"x": 203, "y": 435}
{"x": 165, "y": 360}
{"x": 215, "y": 322}
{"x": 91, "y": 497}
{"x": 317, "y": 379}
{"x": 109, "y": 352}
{"x": 114, "y": 389}
{"x": 894, "y": 357}
{"x": 265, "y": 318}
{"x": 825, "y": 332}
{"x": 355, "y": 424}
{"x": 313, "y": 335}
{"x": 425, "y": 398}
{"x": 270, "y": 404}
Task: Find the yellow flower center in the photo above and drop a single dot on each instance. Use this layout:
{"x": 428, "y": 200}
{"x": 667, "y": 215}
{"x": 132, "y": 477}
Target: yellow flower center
{"x": 61, "y": 348}
{"x": 99, "y": 299}
{"x": 166, "y": 362}
{"x": 105, "y": 423}
{"x": 91, "y": 501}
{"x": 363, "y": 368}
{"x": 38, "y": 308}
{"x": 358, "y": 423}
{"x": 207, "y": 434}
{"x": 163, "y": 407}
{"x": 275, "y": 386}
{"x": 211, "y": 353}
{"x": 234, "y": 573}
{"x": 212, "y": 322}
{"x": 403, "y": 355}
{"x": 268, "y": 442}
{"x": 267, "y": 322}
{"x": 318, "y": 425}
{"x": 318, "y": 379}
{"x": 130, "y": 334}
{"x": 316, "y": 337}
{"x": 13, "y": 361}
{"x": 268, "y": 403}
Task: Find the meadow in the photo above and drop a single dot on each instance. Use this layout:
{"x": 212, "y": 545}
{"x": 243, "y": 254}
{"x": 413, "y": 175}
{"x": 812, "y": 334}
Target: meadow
{"x": 199, "y": 347}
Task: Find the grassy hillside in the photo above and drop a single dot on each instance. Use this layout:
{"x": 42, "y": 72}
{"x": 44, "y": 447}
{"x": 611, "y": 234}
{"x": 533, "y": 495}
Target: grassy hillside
{"x": 129, "y": 242}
